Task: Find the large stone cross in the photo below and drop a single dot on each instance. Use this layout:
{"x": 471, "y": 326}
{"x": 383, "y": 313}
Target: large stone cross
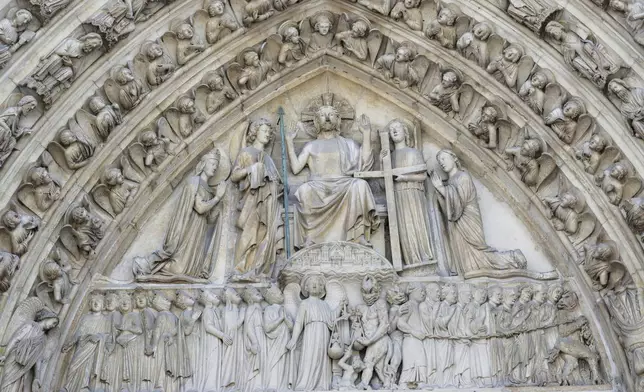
{"x": 388, "y": 174}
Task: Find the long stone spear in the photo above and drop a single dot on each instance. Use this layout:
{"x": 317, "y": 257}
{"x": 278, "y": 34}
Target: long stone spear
{"x": 287, "y": 237}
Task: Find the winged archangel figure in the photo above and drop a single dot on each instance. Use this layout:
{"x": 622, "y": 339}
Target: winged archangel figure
{"x": 315, "y": 318}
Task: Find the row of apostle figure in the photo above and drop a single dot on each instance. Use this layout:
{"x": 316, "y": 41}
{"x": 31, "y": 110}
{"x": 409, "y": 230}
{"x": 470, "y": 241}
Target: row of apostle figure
{"x": 436, "y": 335}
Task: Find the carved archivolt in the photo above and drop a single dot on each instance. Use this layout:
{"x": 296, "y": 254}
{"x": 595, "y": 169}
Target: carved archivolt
{"x": 534, "y": 156}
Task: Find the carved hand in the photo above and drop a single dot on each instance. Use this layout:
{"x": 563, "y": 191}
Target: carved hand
{"x": 227, "y": 340}
{"x": 384, "y": 154}
{"x": 437, "y": 181}
{"x": 365, "y": 125}
{"x": 290, "y": 136}
{"x": 291, "y": 345}
{"x": 364, "y": 341}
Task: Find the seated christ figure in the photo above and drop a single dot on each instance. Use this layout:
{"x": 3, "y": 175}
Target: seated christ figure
{"x": 333, "y": 205}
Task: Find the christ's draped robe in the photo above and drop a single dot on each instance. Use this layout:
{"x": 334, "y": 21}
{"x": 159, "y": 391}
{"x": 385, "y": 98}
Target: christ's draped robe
{"x": 334, "y": 206}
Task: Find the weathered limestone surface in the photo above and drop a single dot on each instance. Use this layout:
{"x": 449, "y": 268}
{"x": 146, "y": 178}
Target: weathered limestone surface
{"x": 321, "y": 195}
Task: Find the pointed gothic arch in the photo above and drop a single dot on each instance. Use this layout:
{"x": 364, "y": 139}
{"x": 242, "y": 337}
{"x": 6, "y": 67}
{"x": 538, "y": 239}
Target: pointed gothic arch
{"x": 448, "y": 131}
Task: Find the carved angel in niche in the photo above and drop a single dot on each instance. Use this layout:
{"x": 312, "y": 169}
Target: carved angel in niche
{"x": 16, "y": 30}
{"x": 531, "y": 13}
{"x": 480, "y": 44}
{"x": 533, "y": 90}
{"x": 214, "y": 92}
{"x": 601, "y": 264}
{"x": 17, "y": 230}
{"x": 118, "y": 18}
{"x": 123, "y": 88}
{"x": 630, "y": 104}
{"x": 219, "y": 23}
{"x": 402, "y": 65}
{"x": 447, "y": 27}
{"x": 105, "y": 116}
{"x": 152, "y": 148}
{"x": 618, "y": 182}
{"x": 530, "y": 158}
{"x": 588, "y": 58}
{"x": 184, "y": 117}
{"x": 9, "y": 263}
{"x": 183, "y": 43}
{"x": 633, "y": 211}
{"x": 566, "y": 116}
{"x": 314, "y": 317}
{"x": 593, "y": 152}
{"x": 358, "y": 38}
{"x": 11, "y": 131}
{"x": 259, "y": 10}
{"x": 489, "y": 125}
{"x": 56, "y": 283}
{"x": 381, "y": 6}
{"x": 288, "y": 44}
{"x": 250, "y": 70}
{"x": 39, "y": 189}
{"x": 114, "y": 193}
{"x": 48, "y": 8}
{"x": 58, "y": 70}
{"x": 567, "y": 214}
{"x": 72, "y": 148}
{"x": 446, "y": 94}
{"x": 409, "y": 12}
{"x": 82, "y": 230}
{"x": 29, "y": 346}
{"x": 506, "y": 68}
{"x": 634, "y": 16}
{"x": 153, "y": 62}
{"x": 318, "y": 30}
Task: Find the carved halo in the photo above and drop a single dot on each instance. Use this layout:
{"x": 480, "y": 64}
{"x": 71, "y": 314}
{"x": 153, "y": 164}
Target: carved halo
{"x": 409, "y": 45}
{"x": 412, "y": 128}
{"x": 356, "y": 18}
{"x": 284, "y": 26}
{"x": 344, "y": 108}
{"x": 329, "y": 15}
{"x": 240, "y": 56}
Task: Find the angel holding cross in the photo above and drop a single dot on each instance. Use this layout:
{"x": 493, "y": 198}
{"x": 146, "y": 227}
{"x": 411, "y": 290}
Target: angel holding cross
{"x": 411, "y": 202}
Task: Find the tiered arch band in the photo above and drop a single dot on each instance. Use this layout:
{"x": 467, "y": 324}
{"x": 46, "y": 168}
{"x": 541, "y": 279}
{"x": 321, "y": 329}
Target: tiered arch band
{"x": 154, "y": 169}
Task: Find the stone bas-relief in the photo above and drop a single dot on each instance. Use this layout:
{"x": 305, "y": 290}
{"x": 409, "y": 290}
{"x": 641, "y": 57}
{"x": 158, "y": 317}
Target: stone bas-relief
{"x": 313, "y": 335}
{"x": 151, "y": 150}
